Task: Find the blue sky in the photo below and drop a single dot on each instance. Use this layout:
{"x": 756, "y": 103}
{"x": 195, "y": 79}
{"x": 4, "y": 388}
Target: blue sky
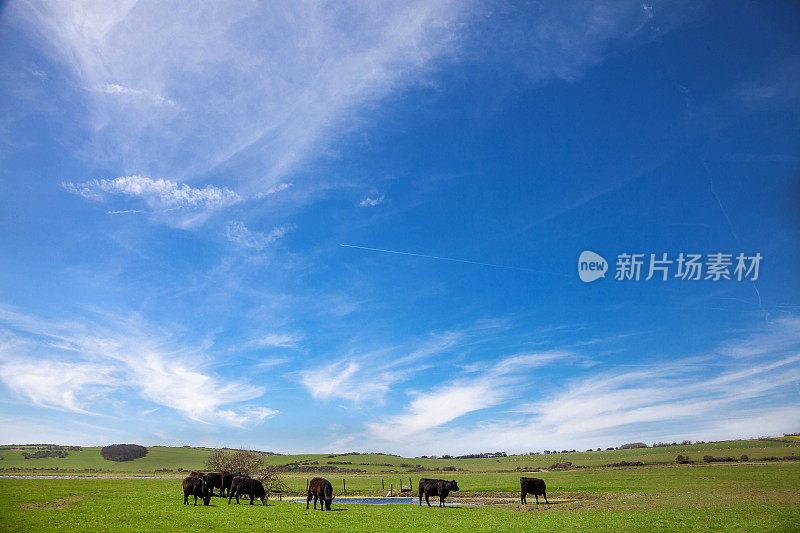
{"x": 176, "y": 183}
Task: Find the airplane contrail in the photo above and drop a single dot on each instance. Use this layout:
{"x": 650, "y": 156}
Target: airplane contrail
{"x": 452, "y": 259}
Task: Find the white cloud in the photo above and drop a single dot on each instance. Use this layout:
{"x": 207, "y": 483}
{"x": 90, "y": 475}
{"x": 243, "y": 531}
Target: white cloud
{"x": 246, "y": 417}
{"x": 275, "y": 340}
{"x": 77, "y": 366}
{"x": 55, "y": 384}
{"x": 557, "y": 40}
{"x": 157, "y": 193}
{"x": 372, "y": 200}
{"x": 778, "y": 85}
{"x": 495, "y": 385}
{"x": 437, "y": 407}
{"x": 113, "y": 88}
{"x": 779, "y": 337}
{"x": 266, "y": 364}
{"x": 523, "y": 362}
{"x": 274, "y": 190}
{"x": 343, "y": 380}
{"x": 237, "y": 232}
{"x": 370, "y": 376}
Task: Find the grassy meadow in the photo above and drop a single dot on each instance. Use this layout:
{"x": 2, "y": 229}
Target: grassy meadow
{"x": 753, "y": 495}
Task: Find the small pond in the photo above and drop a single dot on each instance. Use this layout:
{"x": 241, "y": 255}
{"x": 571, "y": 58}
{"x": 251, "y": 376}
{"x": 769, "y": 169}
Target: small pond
{"x": 368, "y": 501}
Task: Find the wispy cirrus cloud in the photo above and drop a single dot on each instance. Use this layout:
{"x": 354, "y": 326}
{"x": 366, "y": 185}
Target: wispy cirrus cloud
{"x": 274, "y": 190}
{"x": 343, "y": 379}
{"x": 76, "y": 366}
{"x": 326, "y": 61}
{"x": 438, "y": 407}
{"x": 271, "y": 362}
{"x": 494, "y": 384}
{"x": 113, "y": 88}
{"x": 370, "y": 376}
{"x": 238, "y": 233}
{"x": 556, "y": 41}
{"x": 275, "y": 340}
{"x": 55, "y": 384}
{"x": 695, "y": 396}
{"x": 162, "y": 79}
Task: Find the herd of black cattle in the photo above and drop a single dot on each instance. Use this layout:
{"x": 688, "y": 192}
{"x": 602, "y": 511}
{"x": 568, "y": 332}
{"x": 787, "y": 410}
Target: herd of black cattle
{"x": 201, "y": 485}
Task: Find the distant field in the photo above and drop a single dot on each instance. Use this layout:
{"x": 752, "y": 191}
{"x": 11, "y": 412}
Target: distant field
{"x": 160, "y": 458}
{"x": 719, "y": 497}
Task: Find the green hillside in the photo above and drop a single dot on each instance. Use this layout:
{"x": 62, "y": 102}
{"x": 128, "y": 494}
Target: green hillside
{"x": 180, "y": 459}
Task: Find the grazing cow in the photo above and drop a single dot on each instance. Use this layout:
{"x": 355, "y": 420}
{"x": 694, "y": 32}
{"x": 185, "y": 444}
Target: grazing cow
{"x": 435, "y": 487}
{"x": 246, "y": 486}
{"x": 213, "y": 480}
{"x": 322, "y": 490}
{"x": 532, "y": 485}
{"x": 226, "y": 482}
{"x": 195, "y": 486}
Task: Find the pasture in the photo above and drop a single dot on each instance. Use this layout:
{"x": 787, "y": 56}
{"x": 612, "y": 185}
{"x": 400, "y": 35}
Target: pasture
{"x": 741, "y": 496}
{"x": 753, "y": 495}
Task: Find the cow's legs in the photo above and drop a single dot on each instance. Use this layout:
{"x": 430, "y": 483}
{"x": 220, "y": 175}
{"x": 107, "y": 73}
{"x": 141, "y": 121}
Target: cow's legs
{"x": 185, "y": 499}
{"x": 308, "y": 500}
{"x": 420, "y": 499}
{"x": 427, "y": 500}
{"x": 441, "y": 501}
{"x": 522, "y": 497}
{"x": 195, "y": 499}
{"x": 545, "y": 498}
{"x": 251, "y": 498}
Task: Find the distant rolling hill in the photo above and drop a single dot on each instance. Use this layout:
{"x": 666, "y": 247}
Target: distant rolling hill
{"x": 180, "y": 459}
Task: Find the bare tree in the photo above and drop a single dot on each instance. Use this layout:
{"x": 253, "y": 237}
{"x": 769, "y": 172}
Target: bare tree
{"x": 272, "y": 479}
{"x": 236, "y": 462}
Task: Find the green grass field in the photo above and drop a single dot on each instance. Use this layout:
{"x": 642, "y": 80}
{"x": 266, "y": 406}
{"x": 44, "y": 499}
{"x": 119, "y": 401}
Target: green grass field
{"x": 753, "y": 495}
{"x": 738, "y": 497}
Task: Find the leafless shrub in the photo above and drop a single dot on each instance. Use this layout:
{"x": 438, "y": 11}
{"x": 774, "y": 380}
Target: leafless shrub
{"x": 237, "y": 462}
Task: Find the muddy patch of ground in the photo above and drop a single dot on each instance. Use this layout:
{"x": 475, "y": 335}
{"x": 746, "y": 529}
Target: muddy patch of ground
{"x": 60, "y": 503}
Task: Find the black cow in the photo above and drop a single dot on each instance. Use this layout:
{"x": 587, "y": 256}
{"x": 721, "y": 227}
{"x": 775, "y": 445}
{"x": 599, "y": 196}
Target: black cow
{"x": 245, "y": 486}
{"x": 320, "y": 489}
{"x": 532, "y": 485}
{"x": 195, "y": 486}
{"x": 435, "y": 487}
{"x": 213, "y": 480}
{"x": 226, "y": 482}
